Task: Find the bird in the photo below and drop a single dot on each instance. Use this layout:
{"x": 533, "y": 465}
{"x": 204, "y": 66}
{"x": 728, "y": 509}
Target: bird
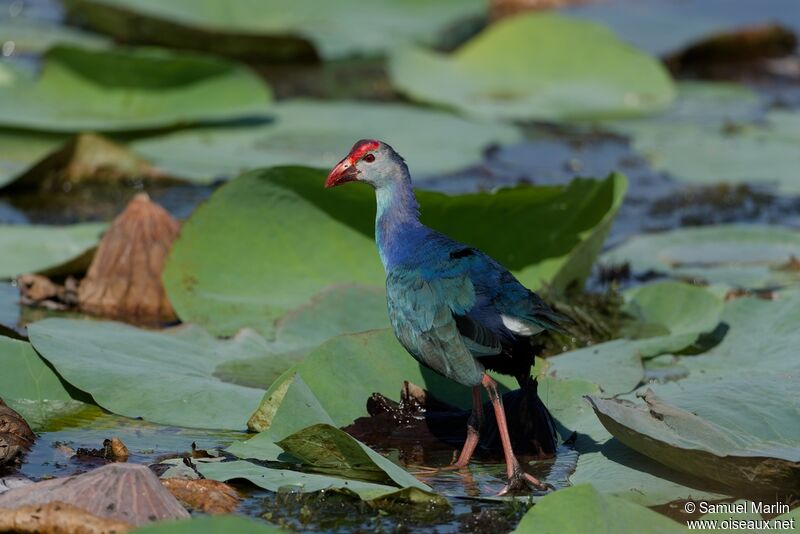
{"x": 452, "y": 307}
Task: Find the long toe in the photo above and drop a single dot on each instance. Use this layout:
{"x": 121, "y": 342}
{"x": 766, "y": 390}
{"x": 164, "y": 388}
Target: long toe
{"x": 521, "y": 482}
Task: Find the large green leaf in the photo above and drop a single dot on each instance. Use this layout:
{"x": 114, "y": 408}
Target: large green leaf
{"x": 29, "y": 37}
{"x": 583, "y": 509}
{"x": 318, "y": 133}
{"x": 130, "y": 89}
{"x": 51, "y": 249}
{"x": 211, "y": 525}
{"x": 286, "y": 480}
{"x": 758, "y": 449}
{"x": 29, "y": 386}
{"x": 615, "y": 366}
{"x": 747, "y": 256}
{"x": 165, "y": 378}
{"x": 292, "y": 239}
{"x": 274, "y": 29}
{"x": 537, "y": 66}
{"x": 763, "y": 154}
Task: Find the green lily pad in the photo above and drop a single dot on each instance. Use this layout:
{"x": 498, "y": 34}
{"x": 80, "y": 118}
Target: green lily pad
{"x": 615, "y": 366}
{"x": 164, "y": 378}
{"x": 19, "y": 150}
{"x": 319, "y": 133}
{"x": 287, "y": 480}
{"x": 293, "y": 239}
{"x": 537, "y": 66}
{"x": 210, "y": 525}
{"x": 669, "y": 307}
{"x": 30, "y": 37}
{"x": 133, "y": 89}
{"x": 747, "y": 256}
{"x": 739, "y": 454}
{"x": 30, "y": 387}
{"x": 716, "y": 133}
{"x": 47, "y": 249}
{"x": 274, "y": 29}
{"x": 583, "y": 509}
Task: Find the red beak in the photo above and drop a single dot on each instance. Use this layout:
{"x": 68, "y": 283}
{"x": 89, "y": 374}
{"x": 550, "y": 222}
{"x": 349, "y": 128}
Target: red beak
{"x": 345, "y": 171}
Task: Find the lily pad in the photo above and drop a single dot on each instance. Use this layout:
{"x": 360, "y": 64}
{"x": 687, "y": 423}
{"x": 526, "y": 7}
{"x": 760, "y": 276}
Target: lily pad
{"x": 293, "y": 239}
{"x": 764, "y": 153}
{"x": 537, "y": 66}
{"x": 615, "y": 366}
{"x": 211, "y": 525}
{"x": 30, "y": 37}
{"x": 19, "y": 150}
{"x": 318, "y": 133}
{"x": 758, "y": 451}
{"x": 747, "y": 256}
{"x": 583, "y": 509}
{"x": 669, "y": 307}
{"x": 30, "y": 386}
{"x": 161, "y": 377}
{"x": 131, "y": 89}
{"x": 287, "y": 480}
{"x": 47, "y": 249}
{"x": 274, "y": 29}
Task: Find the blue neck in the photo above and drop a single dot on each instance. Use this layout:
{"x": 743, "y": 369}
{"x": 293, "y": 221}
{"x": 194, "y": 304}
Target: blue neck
{"x": 396, "y": 221}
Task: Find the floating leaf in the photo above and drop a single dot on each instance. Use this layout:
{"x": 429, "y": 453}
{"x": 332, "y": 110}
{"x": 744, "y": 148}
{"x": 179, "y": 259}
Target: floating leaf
{"x": 19, "y": 150}
{"x": 318, "y": 133}
{"x": 47, "y": 249}
{"x": 32, "y": 37}
{"x": 673, "y": 308}
{"x": 274, "y": 29}
{"x": 30, "y": 387}
{"x": 113, "y": 90}
{"x": 165, "y": 378}
{"x": 537, "y": 66}
{"x": 583, "y": 509}
{"x": 615, "y": 366}
{"x": 739, "y": 454}
{"x": 285, "y": 480}
{"x": 746, "y": 256}
{"x": 293, "y": 239}
{"x": 211, "y": 525}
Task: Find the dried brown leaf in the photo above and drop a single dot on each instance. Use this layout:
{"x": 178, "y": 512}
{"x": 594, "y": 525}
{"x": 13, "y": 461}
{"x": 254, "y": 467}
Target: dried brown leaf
{"x": 57, "y": 518}
{"x": 208, "y": 496}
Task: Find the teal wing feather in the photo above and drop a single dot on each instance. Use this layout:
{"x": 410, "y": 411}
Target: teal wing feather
{"x": 423, "y": 312}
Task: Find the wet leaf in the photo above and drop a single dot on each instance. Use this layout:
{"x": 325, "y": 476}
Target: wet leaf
{"x": 211, "y": 525}
{"x": 47, "y": 249}
{"x": 745, "y": 256}
{"x": 118, "y": 90}
{"x": 274, "y": 29}
{"x": 30, "y": 387}
{"x": 165, "y": 378}
{"x": 318, "y": 133}
{"x": 293, "y": 239}
{"x": 30, "y": 37}
{"x": 757, "y": 450}
{"x": 537, "y": 66}
{"x": 124, "y": 492}
{"x": 583, "y": 509}
{"x": 287, "y": 480}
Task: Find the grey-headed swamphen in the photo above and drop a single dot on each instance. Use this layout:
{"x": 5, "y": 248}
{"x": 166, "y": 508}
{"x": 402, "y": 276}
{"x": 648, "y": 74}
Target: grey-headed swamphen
{"x": 453, "y": 308}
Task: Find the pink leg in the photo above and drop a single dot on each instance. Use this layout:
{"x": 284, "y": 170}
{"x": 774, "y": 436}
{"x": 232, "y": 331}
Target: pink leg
{"x": 516, "y": 477}
{"x": 473, "y": 429}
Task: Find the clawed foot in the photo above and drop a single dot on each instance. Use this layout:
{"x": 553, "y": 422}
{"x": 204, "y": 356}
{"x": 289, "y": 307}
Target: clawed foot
{"x": 522, "y": 481}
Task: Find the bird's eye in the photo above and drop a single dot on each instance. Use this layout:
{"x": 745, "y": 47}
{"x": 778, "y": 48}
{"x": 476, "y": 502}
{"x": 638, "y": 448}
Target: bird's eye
{"x": 369, "y": 158}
